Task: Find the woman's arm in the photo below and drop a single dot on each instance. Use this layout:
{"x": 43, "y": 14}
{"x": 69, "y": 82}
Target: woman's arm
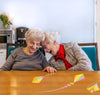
{"x": 84, "y": 62}
{"x": 8, "y": 64}
{"x": 47, "y": 67}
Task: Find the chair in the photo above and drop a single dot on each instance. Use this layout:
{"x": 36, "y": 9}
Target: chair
{"x": 92, "y": 51}
{"x": 11, "y": 46}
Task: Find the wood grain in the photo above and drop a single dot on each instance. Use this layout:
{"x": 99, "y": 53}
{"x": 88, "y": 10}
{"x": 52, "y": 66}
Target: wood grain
{"x": 20, "y": 83}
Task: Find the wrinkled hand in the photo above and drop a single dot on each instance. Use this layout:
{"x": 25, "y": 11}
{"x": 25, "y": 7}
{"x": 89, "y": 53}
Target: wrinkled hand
{"x": 49, "y": 69}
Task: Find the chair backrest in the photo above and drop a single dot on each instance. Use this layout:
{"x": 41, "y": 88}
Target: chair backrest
{"x": 92, "y": 51}
{"x": 11, "y": 46}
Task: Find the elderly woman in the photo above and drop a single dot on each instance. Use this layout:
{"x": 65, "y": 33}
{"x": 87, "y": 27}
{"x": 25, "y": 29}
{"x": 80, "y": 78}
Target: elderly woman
{"x": 65, "y": 57}
{"x": 28, "y": 58}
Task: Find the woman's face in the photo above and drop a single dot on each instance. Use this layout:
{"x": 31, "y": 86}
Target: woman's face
{"x": 50, "y": 47}
{"x": 33, "y": 46}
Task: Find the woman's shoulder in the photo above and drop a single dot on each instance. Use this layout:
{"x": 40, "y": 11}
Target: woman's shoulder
{"x": 70, "y": 44}
{"x": 17, "y": 50}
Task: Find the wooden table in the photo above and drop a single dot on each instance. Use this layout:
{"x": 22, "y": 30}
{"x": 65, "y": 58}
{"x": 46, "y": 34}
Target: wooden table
{"x": 20, "y": 83}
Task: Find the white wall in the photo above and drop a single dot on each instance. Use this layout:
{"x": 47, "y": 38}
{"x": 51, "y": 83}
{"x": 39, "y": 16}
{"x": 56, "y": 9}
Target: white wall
{"x": 74, "y": 19}
{"x": 98, "y": 26}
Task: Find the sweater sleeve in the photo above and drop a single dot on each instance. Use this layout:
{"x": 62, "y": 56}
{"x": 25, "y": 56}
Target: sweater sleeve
{"x": 45, "y": 62}
{"x": 8, "y": 64}
{"x": 84, "y": 63}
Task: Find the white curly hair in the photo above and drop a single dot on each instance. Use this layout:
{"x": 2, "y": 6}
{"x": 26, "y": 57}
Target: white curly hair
{"x": 35, "y": 34}
{"x": 51, "y": 37}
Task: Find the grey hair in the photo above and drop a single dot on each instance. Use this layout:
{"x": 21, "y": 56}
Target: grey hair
{"x": 51, "y": 37}
{"x": 35, "y": 34}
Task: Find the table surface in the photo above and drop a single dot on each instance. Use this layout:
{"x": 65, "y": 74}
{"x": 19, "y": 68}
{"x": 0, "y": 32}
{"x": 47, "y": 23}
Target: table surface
{"x": 20, "y": 83}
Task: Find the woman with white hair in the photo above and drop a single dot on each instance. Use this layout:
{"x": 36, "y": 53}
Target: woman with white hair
{"x": 28, "y": 58}
{"x": 65, "y": 57}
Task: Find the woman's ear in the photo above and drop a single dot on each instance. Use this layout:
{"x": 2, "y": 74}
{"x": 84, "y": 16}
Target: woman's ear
{"x": 27, "y": 42}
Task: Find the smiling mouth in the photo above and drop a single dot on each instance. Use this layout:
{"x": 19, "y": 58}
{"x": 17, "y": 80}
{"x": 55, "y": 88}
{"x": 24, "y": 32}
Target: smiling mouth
{"x": 33, "y": 49}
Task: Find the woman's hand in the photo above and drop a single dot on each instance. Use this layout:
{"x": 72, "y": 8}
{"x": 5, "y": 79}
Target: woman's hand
{"x": 49, "y": 69}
